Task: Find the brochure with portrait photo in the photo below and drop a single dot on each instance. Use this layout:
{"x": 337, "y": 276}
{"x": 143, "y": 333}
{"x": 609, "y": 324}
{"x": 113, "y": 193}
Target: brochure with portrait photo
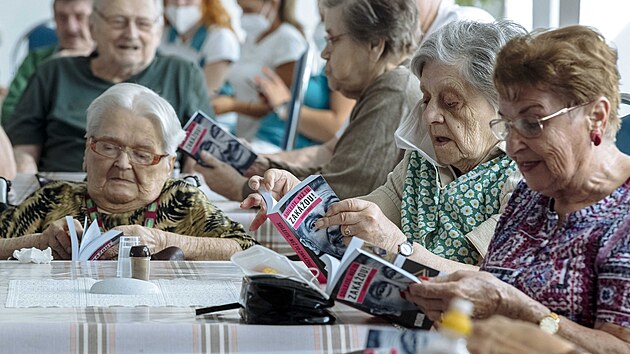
{"x": 204, "y": 133}
{"x": 295, "y": 215}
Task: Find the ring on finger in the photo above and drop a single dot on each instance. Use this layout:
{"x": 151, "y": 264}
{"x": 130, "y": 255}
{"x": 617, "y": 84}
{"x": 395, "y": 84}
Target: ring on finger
{"x": 347, "y": 232}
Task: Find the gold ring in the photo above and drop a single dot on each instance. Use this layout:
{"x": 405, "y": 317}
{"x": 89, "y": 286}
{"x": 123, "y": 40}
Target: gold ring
{"x": 347, "y": 232}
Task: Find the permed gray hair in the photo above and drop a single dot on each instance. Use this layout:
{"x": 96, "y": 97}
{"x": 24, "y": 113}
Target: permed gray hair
{"x": 141, "y": 101}
{"x": 396, "y": 21}
{"x": 471, "y": 46}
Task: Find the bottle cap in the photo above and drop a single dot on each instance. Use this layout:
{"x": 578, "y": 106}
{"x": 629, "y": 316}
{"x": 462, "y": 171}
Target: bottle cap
{"x": 140, "y": 251}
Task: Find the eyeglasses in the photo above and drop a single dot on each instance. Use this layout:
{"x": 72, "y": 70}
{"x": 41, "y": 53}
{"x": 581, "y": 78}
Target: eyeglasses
{"x": 120, "y": 22}
{"x": 528, "y": 128}
{"x": 113, "y": 151}
{"x": 330, "y": 40}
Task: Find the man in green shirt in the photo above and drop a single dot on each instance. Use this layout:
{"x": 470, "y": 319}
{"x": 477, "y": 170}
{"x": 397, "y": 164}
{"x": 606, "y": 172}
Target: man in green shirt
{"x": 47, "y": 127}
{"x": 73, "y": 33}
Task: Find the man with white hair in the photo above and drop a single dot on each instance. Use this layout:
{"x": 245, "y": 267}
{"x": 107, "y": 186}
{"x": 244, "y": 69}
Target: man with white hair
{"x": 47, "y": 127}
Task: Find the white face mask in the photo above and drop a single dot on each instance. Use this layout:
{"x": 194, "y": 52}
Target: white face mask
{"x": 255, "y": 24}
{"x": 183, "y": 18}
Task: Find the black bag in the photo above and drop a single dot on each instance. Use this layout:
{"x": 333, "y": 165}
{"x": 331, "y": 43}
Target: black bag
{"x": 269, "y": 299}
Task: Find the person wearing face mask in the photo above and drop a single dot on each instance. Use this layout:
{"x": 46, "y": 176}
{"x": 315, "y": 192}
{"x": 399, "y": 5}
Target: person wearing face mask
{"x": 201, "y": 31}
{"x": 274, "y": 39}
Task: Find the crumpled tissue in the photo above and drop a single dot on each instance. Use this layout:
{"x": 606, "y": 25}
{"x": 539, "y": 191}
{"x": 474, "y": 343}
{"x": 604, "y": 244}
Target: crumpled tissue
{"x": 33, "y": 255}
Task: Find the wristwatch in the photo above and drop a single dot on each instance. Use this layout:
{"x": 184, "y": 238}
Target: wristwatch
{"x": 282, "y": 110}
{"x": 550, "y": 323}
{"x": 405, "y": 248}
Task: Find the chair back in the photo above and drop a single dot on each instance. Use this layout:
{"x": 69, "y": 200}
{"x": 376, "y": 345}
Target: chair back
{"x": 301, "y": 77}
{"x": 40, "y": 35}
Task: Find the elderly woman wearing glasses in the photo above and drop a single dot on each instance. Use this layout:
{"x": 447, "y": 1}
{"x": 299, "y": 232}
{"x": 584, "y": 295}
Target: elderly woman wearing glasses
{"x": 441, "y": 203}
{"x": 560, "y": 255}
{"x": 132, "y": 135}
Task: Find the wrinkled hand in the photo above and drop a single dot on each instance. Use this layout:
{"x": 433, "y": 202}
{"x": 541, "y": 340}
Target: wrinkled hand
{"x": 278, "y": 182}
{"x": 365, "y": 220}
{"x": 501, "y": 335}
{"x": 258, "y": 168}
{"x": 223, "y": 104}
{"x": 488, "y": 294}
{"x": 155, "y": 239}
{"x": 221, "y": 177}
{"x": 57, "y": 237}
{"x": 273, "y": 88}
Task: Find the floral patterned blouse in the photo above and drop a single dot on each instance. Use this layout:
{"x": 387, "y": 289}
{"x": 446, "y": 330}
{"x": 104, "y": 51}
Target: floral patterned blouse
{"x": 580, "y": 269}
{"x": 439, "y": 218}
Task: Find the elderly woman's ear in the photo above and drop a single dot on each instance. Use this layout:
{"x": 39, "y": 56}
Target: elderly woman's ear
{"x": 599, "y": 114}
{"x": 377, "y": 48}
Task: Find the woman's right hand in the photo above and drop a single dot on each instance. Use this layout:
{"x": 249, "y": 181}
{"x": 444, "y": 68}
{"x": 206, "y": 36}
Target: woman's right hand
{"x": 278, "y": 182}
{"x": 57, "y": 237}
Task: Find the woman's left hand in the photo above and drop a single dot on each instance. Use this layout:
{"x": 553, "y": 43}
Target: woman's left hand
{"x": 154, "y": 238}
{"x": 488, "y": 294}
{"x": 363, "y": 219}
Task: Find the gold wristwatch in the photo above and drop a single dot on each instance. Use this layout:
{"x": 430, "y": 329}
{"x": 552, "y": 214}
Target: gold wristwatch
{"x": 550, "y": 323}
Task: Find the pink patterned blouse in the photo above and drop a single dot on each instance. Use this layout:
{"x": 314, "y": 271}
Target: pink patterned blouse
{"x": 581, "y": 269}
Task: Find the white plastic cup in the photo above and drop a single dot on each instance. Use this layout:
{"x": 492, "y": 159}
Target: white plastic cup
{"x": 124, "y": 263}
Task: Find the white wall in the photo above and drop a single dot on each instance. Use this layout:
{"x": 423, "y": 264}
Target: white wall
{"x": 15, "y": 18}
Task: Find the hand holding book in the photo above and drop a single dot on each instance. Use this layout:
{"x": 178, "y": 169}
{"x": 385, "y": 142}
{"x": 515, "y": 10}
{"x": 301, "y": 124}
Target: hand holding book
{"x": 57, "y": 237}
{"x": 277, "y": 182}
{"x": 360, "y": 217}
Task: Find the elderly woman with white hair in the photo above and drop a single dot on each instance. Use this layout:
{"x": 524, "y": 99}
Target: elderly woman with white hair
{"x": 132, "y": 135}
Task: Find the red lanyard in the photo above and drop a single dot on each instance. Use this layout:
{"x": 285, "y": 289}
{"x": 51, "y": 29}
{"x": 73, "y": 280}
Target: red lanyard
{"x": 149, "y": 215}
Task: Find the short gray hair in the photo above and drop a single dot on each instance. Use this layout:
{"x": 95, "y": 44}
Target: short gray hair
{"x": 471, "y": 46}
{"x": 395, "y": 21}
{"x": 141, "y": 101}
{"x": 159, "y": 7}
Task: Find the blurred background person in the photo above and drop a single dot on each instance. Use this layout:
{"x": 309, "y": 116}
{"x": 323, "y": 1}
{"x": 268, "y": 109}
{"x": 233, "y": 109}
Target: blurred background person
{"x": 559, "y": 254}
{"x": 432, "y": 14}
{"x": 73, "y": 34}
{"x": 201, "y": 31}
{"x": 132, "y": 137}
{"x": 365, "y": 60}
{"x": 47, "y": 127}
{"x": 274, "y": 39}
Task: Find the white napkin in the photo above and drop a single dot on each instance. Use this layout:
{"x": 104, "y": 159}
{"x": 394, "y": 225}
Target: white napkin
{"x": 33, "y": 255}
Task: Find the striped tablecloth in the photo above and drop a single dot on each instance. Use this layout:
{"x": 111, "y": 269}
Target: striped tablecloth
{"x": 158, "y": 329}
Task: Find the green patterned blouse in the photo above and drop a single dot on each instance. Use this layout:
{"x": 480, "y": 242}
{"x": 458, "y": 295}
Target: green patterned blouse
{"x": 183, "y": 209}
{"x": 439, "y": 218}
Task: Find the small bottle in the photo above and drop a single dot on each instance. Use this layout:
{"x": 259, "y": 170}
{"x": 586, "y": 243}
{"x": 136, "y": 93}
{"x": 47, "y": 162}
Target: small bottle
{"x": 456, "y": 326}
{"x": 140, "y": 257}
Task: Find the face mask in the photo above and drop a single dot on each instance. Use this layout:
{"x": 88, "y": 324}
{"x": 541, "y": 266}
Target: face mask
{"x": 255, "y": 24}
{"x": 319, "y": 37}
{"x": 183, "y": 18}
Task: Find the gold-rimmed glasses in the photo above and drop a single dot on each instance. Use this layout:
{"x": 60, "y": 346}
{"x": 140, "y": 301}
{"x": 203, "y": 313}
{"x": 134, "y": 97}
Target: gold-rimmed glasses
{"x": 528, "y": 128}
{"x": 136, "y": 156}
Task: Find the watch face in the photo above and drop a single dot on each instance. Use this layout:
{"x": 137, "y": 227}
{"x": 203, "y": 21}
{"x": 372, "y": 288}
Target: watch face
{"x": 406, "y": 249}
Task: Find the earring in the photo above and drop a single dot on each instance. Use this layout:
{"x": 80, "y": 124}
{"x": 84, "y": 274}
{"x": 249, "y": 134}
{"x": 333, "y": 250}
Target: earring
{"x": 596, "y": 137}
